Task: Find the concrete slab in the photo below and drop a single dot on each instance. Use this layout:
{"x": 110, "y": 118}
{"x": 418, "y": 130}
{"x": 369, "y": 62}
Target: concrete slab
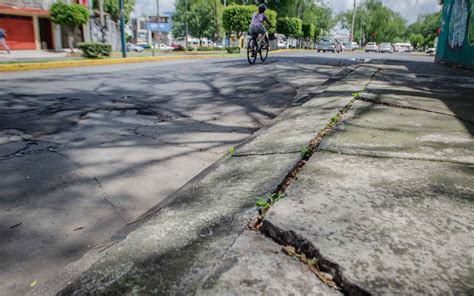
{"x": 175, "y": 249}
{"x": 384, "y": 131}
{"x": 255, "y": 265}
{"x": 296, "y": 128}
{"x": 450, "y": 95}
{"x": 393, "y": 226}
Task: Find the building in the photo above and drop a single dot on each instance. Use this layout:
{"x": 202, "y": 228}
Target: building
{"x": 145, "y": 29}
{"x": 28, "y": 26}
{"x": 456, "y": 39}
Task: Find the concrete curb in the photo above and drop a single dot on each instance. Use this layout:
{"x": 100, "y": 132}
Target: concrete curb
{"x": 115, "y": 61}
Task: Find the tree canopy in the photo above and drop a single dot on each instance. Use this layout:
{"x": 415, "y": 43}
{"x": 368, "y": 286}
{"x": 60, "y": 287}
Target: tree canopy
{"x": 375, "y": 22}
{"x": 290, "y": 26}
{"x": 70, "y": 17}
{"x": 427, "y": 26}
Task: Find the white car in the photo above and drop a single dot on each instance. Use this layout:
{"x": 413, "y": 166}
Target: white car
{"x": 386, "y": 47}
{"x": 163, "y": 47}
{"x": 371, "y": 47}
{"x": 282, "y": 44}
{"x": 355, "y": 46}
{"x": 135, "y": 48}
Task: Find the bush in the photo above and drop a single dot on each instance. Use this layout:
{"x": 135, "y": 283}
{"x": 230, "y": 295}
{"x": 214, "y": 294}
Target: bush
{"x": 93, "y": 50}
{"x": 204, "y": 48}
{"x": 189, "y": 48}
{"x": 233, "y": 49}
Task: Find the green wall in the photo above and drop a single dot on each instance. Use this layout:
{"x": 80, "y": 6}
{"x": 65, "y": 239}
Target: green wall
{"x": 456, "y": 41}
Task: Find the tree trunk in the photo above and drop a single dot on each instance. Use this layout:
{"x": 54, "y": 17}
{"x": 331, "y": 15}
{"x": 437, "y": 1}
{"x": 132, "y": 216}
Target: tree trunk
{"x": 70, "y": 38}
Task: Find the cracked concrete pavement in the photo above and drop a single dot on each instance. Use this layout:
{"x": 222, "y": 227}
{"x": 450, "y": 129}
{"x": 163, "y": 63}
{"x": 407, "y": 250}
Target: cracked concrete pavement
{"x": 387, "y": 201}
{"x": 85, "y": 151}
{"x": 181, "y": 249}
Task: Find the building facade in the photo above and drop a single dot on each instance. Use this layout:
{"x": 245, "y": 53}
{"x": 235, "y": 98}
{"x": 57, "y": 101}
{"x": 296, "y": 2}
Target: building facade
{"x": 28, "y": 25}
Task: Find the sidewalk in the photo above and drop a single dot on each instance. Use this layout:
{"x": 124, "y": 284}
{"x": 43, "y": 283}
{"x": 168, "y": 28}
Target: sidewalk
{"x": 383, "y": 206}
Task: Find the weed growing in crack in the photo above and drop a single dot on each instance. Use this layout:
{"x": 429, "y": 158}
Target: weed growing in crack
{"x": 356, "y": 95}
{"x": 305, "y": 151}
{"x": 335, "y": 120}
{"x": 232, "y": 150}
{"x": 264, "y": 203}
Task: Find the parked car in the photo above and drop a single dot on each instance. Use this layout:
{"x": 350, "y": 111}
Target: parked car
{"x": 386, "y": 47}
{"x": 163, "y": 47}
{"x": 144, "y": 45}
{"x": 350, "y": 45}
{"x": 431, "y": 50}
{"x": 215, "y": 45}
{"x": 329, "y": 44}
{"x": 371, "y": 47}
{"x": 403, "y": 47}
{"x": 135, "y": 47}
{"x": 282, "y": 44}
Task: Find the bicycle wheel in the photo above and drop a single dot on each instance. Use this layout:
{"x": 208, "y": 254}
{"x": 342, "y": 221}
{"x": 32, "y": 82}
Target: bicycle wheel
{"x": 252, "y": 51}
{"x": 264, "y": 50}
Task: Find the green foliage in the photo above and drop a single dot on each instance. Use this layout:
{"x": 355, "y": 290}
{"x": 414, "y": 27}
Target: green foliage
{"x": 69, "y": 15}
{"x": 237, "y": 18}
{"x": 417, "y": 40}
{"x": 93, "y": 50}
{"x": 290, "y": 27}
{"x": 335, "y": 120}
{"x": 272, "y": 18}
{"x": 375, "y": 22}
{"x": 204, "y": 18}
{"x": 309, "y": 31}
{"x": 264, "y": 203}
{"x": 112, "y": 7}
{"x": 305, "y": 151}
{"x": 427, "y": 27}
{"x": 189, "y": 48}
{"x": 233, "y": 49}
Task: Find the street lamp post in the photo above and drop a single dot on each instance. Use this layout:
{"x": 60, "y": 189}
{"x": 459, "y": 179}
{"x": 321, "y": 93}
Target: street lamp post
{"x": 158, "y": 23}
{"x": 122, "y": 29}
{"x": 186, "y": 21}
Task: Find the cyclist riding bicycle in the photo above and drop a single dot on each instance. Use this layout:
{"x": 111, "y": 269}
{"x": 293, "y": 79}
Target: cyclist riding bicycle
{"x": 257, "y": 29}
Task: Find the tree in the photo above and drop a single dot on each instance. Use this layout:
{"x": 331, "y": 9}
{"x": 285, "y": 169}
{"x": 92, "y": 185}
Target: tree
{"x": 112, "y": 7}
{"x": 69, "y": 17}
{"x": 237, "y": 18}
{"x": 375, "y": 22}
{"x": 290, "y": 27}
{"x": 427, "y": 26}
{"x": 416, "y": 40}
{"x": 309, "y": 32}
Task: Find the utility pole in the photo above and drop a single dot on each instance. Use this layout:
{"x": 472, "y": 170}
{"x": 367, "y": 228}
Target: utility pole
{"x": 353, "y": 21}
{"x": 186, "y": 20}
{"x": 224, "y": 43}
{"x": 158, "y": 33}
{"x": 122, "y": 29}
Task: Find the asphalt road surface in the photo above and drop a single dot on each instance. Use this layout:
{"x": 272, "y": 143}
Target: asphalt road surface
{"x": 85, "y": 151}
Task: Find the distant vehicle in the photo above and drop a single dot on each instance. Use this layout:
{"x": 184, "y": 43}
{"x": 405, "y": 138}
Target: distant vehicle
{"x": 329, "y": 44}
{"x": 371, "y": 47}
{"x": 144, "y": 45}
{"x": 397, "y": 47}
{"x": 282, "y": 44}
{"x": 135, "y": 47}
{"x": 215, "y": 45}
{"x": 350, "y": 45}
{"x": 163, "y": 47}
{"x": 386, "y": 47}
{"x": 403, "y": 47}
{"x": 431, "y": 50}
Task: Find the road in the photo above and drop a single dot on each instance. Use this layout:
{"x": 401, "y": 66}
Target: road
{"x": 86, "y": 151}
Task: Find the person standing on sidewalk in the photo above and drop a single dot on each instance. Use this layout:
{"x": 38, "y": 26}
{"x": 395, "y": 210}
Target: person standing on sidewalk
{"x": 3, "y": 41}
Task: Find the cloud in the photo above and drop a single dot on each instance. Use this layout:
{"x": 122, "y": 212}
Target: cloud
{"x": 409, "y": 9}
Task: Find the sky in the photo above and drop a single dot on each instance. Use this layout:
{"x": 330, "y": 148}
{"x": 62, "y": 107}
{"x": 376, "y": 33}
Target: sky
{"x": 409, "y": 9}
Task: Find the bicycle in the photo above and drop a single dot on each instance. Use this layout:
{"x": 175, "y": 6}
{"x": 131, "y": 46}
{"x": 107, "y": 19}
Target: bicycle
{"x": 257, "y": 46}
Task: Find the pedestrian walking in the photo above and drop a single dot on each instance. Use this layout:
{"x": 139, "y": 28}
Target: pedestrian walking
{"x": 3, "y": 40}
